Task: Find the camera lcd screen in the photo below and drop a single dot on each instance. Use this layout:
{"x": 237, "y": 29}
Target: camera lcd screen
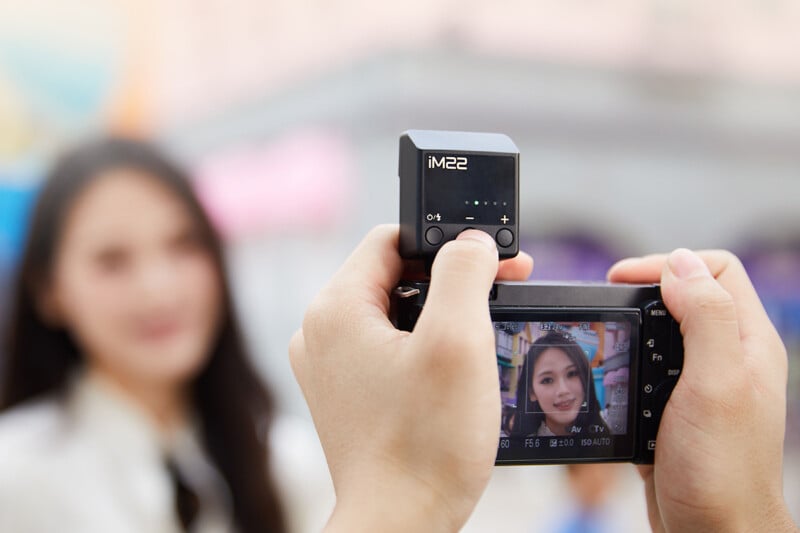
{"x": 469, "y": 189}
{"x": 567, "y": 382}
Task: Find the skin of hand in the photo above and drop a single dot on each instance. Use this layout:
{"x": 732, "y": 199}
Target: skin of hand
{"x": 408, "y": 421}
{"x": 718, "y": 463}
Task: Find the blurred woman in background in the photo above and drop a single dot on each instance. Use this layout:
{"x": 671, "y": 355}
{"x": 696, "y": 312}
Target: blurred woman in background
{"x": 128, "y": 402}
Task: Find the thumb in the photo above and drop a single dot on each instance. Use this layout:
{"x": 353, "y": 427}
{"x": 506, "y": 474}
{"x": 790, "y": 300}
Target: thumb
{"x": 706, "y": 312}
{"x": 461, "y": 278}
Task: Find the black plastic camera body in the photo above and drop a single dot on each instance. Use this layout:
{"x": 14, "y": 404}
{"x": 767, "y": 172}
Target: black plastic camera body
{"x": 451, "y": 181}
{"x": 626, "y": 357}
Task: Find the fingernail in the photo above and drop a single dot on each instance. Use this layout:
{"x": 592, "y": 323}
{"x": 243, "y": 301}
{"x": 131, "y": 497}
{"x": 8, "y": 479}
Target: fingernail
{"x": 685, "y": 264}
{"x": 477, "y": 235}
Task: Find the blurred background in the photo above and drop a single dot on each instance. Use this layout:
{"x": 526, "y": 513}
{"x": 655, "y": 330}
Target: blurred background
{"x": 643, "y": 126}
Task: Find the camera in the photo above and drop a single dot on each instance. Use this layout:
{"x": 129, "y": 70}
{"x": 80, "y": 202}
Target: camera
{"x": 585, "y": 370}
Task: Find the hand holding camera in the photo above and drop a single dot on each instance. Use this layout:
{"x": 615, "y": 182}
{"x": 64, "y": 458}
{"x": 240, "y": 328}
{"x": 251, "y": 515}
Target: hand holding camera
{"x": 403, "y": 417}
{"x": 718, "y": 466}
{"x": 408, "y": 420}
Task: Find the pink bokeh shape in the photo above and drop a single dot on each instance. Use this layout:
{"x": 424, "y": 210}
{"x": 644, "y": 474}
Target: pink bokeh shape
{"x": 300, "y": 182}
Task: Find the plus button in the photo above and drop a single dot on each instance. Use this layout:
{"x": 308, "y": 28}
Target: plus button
{"x": 504, "y": 219}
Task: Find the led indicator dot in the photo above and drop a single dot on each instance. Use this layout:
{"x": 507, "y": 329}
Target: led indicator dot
{"x": 477, "y": 202}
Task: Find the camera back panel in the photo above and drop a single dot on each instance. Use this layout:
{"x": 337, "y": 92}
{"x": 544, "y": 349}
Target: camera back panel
{"x": 629, "y": 358}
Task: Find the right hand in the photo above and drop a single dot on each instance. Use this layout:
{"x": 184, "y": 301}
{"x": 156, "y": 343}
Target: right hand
{"x": 718, "y": 464}
{"x": 408, "y": 421}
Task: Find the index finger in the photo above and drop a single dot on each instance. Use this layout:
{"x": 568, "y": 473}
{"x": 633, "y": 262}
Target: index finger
{"x": 372, "y": 269}
{"x": 729, "y": 272}
{"x": 517, "y": 268}
{"x": 357, "y": 297}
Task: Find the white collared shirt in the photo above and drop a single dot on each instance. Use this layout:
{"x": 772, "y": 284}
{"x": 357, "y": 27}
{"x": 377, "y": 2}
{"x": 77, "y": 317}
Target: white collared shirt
{"x": 96, "y": 463}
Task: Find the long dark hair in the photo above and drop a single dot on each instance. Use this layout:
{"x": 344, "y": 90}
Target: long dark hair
{"x": 529, "y": 414}
{"x": 234, "y": 408}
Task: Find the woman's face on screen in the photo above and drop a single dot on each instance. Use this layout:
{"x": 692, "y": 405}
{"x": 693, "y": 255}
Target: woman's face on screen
{"x": 556, "y": 384}
{"x": 133, "y": 282}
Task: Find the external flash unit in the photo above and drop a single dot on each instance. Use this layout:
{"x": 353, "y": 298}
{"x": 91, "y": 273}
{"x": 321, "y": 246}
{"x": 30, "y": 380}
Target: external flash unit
{"x": 451, "y": 181}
